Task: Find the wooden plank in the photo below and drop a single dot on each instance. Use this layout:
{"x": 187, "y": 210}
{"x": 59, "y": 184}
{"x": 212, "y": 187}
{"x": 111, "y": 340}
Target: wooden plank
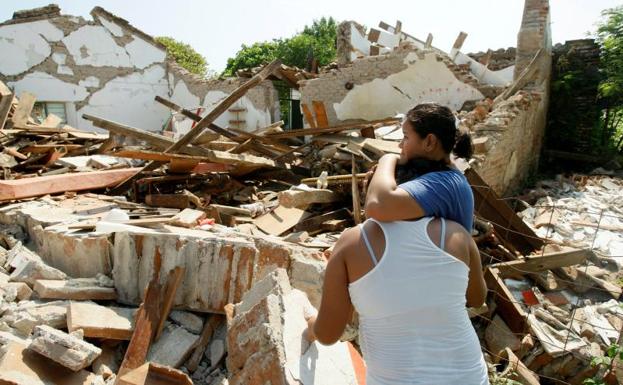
{"x": 6, "y": 99}
{"x": 308, "y": 116}
{"x": 24, "y": 108}
{"x": 322, "y": 121}
{"x": 355, "y": 192}
{"x": 335, "y": 179}
{"x": 210, "y": 156}
{"x": 507, "y": 307}
{"x": 280, "y": 220}
{"x": 273, "y": 142}
{"x": 173, "y": 282}
{"x": 204, "y": 122}
{"x": 326, "y": 130}
{"x": 38, "y": 186}
{"x": 209, "y": 328}
{"x": 545, "y": 262}
{"x": 379, "y": 147}
{"x": 506, "y": 223}
{"x": 151, "y": 138}
{"x": 147, "y": 317}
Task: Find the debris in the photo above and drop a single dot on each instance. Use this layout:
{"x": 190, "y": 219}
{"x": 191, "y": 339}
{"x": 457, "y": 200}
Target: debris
{"x": 75, "y": 289}
{"x": 69, "y": 351}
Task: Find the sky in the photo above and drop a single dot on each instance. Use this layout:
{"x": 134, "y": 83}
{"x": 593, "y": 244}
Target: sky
{"x": 217, "y": 29}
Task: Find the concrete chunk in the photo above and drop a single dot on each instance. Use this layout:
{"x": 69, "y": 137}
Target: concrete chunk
{"x": 173, "y": 347}
{"x": 69, "y": 351}
{"x": 25, "y": 318}
{"x": 153, "y": 374}
{"x": 19, "y": 365}
{"x": 101, "y": 321}
{"x": 193, "y": 323}
{"x": 74, "y": 289}
{"x": 188, "y": 218}
{"x": 29, "y": 267}
{"x": 266, "y": 344}
{"x": 16, "y": 291}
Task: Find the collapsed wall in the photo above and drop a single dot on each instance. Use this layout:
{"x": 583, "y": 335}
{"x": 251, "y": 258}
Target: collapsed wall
{"x": 108, "y": 68}
{"x": 502, "y": 101}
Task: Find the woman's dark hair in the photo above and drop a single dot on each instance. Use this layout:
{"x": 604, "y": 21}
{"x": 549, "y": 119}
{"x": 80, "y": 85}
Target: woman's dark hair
{"x": 433, "y": 118}
{"x": 417, "y": 167}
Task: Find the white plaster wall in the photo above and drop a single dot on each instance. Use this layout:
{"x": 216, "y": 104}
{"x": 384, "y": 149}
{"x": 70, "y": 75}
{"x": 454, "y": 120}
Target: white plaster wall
{"x": 388, "y": 40}
{"x": 142, "y": 54}
{"x": 110, "y": 26}
{"x": 482, "y": 73}
{"x": 130, "y": 100}
{"x": 23, "y": 46}
{"x": 93, "y": 45}
{"x": 359, "y": 42}
{"x": 48, "y": 88}
{"x": 255, "y": 118}
{"x": 425, "y": 80}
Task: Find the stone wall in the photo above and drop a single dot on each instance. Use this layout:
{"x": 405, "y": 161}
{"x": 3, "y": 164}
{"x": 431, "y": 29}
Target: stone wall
{"x": 108, "y": 68}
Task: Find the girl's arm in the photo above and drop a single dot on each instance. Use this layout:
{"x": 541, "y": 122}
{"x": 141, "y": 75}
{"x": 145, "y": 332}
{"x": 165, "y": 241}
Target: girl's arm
{"x": 384, "y": 200}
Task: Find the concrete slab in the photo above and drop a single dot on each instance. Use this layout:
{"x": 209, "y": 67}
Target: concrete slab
{"x": 99, "y": 321}
{"x": 74, "y": 289}
{"x": 173, "y": 347}
{"x": 191, "y": 322}
{"x": 25, "y": 317}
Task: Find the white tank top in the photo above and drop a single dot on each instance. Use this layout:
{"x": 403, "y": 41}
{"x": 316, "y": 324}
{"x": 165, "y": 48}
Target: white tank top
{"x": 413, "y": 324}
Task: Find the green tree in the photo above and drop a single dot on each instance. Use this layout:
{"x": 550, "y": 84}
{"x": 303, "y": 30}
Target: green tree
{"x": 317, "y": 39}
{"x": 610, "y": 37}
{"x": 185, "y": 55}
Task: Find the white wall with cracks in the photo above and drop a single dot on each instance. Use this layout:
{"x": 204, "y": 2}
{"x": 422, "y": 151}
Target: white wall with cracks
{"x": 109, "y": 69}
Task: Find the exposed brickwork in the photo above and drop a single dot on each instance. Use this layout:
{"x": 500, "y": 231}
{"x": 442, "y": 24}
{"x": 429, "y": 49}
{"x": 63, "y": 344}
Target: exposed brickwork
{"x": 534, "y": 33}
{"x": 500, "y": 59}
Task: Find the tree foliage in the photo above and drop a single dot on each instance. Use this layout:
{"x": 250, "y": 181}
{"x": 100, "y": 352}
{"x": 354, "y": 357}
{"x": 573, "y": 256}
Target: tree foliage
{"x": 185, "y": 55}
{"x": 317, "y": 40}
{"x": 610, "y": 38}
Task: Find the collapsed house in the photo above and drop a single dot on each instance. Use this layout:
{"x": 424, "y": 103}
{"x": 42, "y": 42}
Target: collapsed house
{"x": 205, "y": 275}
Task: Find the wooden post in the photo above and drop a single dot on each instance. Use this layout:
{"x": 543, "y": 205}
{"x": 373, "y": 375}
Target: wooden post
{"x": 355, "y": 189}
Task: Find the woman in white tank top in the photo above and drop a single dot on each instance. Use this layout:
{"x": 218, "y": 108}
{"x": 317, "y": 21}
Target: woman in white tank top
{"x": 410, "y": 282}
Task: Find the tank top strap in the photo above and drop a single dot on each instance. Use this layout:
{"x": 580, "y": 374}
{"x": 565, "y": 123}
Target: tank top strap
{"x": 367, "y": 242}
{"x": 442, "y": 241}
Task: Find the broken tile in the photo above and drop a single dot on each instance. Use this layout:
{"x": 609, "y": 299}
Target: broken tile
{"x": 69, "y": 351}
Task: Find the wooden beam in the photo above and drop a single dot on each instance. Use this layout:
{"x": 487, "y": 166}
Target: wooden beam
{"x": 24, "y": 108}
{"x": 326, "y": 130}
{"x": 335, "y": 179}
{"x": 315, "y": 223}
{"x": 272, "y": 142}
{"x": 6, "y": 100}
{"x": 151, "y": 138}
{"x": 204, "y": 122}
{"x": 173, "y": 282}
{"x": 355, "y": 192}
{"x": 322, "y": 121}
{"x": 211, "y": 156}
{"x": 506, "y": 222}
{"x": 38, "y": 186}
{"x": 308, "y": 115}
{"x": 541, "y": 263}
{"x": 147, "y": 317}
{"x": 507, "y": 307}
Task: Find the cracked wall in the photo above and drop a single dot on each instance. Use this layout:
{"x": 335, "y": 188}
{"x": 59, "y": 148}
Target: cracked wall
{"x": 107, "y": 68}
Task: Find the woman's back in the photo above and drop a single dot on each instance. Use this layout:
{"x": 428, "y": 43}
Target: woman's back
{"x": 413, "y": 322}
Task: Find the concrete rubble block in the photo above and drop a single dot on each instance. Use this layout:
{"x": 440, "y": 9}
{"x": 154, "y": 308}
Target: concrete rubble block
{"x": 29, "y": 267}
{"x": 173, "y": 347}
{"x": 15, "y": 291}
{"x": 20, "y": 365}
{"x": 67, "y": 350}
{"x": 8, "y": 337}
{"x": 26, "y": 316}
{"x": 74, "y": 289}
{"x": 218, "y": 269}
{"x": 191, "y": 322}
{"x": 151, "y": 373}
{"x": 188, "y": 218}
{"x": 77, "y": 254}
{"x": 265, "y": 340}
{"x": 97, "y": 321}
